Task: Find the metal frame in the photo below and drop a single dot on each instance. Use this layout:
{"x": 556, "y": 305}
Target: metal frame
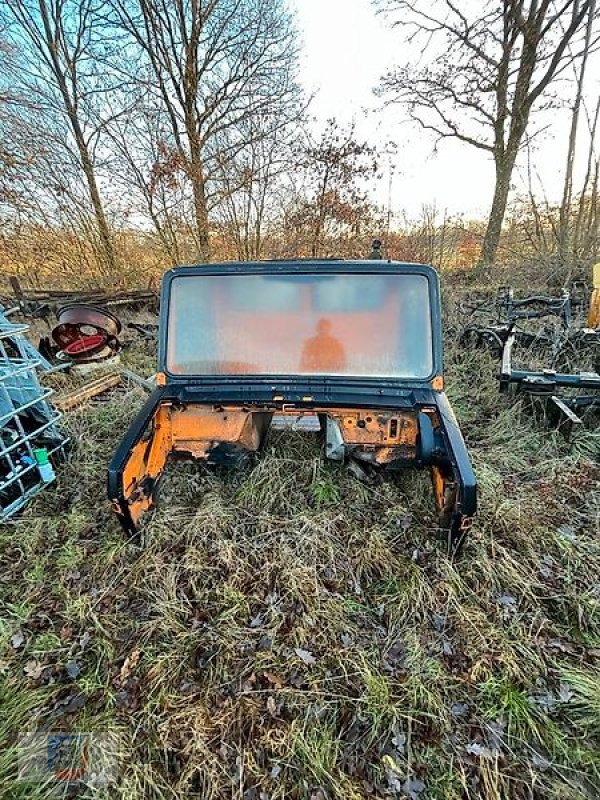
{"x": 535, "y": 306}
{"x": 547, "y": 384}
{"x": 511, "y": 313}
{"x": 390, "y": 422}
{"x": 20, "y": 396}
{"x": 302, "y": 267}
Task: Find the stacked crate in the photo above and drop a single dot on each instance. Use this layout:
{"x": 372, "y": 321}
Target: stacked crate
{"x": 28, "y": 422}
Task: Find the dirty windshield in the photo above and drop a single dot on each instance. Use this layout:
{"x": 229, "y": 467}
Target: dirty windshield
{"x": 317, "y": 324}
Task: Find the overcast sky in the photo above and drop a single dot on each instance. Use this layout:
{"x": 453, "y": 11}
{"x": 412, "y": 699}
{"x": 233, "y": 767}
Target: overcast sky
{"x": 347, "y": 47}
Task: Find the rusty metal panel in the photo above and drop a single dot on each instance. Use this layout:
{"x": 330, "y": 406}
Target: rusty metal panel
{"x": 389, "y": 428}
{"x": 197, "y": 429}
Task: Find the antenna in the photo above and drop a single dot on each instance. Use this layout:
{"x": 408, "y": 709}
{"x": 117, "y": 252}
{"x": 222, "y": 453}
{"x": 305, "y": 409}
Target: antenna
{"x": 389, "y": 205}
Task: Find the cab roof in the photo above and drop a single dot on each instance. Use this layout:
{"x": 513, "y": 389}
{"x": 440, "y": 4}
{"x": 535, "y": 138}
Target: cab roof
{"x": 305, "y": 264}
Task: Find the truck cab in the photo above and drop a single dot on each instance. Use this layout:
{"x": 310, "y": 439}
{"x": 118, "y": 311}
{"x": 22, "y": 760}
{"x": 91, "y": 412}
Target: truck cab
{"x": 356, "y": 344}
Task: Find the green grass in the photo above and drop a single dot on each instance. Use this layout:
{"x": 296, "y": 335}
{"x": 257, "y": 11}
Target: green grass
{"x": 476, "y": 678}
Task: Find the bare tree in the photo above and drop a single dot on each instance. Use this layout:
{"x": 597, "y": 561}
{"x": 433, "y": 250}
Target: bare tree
{"x": 213, "y": 65}
{"x": 587, "y": 221}
{"x": 255, "y": 184}
{"x": 564, "y": 239}
{"x": 151, "y": 175}
{"x": 59, "y": 78}
{"x": 489, "y": 66}
{"x": 336, "y": 167}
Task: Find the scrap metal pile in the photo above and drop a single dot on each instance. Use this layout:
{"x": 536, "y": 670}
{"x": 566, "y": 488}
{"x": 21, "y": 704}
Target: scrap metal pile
{"x": 42, "y": 303}
{"x": 565, "y": 329}
{"x": 84, "y": 337}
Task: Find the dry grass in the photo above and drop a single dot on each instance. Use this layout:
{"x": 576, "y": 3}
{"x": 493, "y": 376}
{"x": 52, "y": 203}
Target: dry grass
{"x": 289, "y": 632}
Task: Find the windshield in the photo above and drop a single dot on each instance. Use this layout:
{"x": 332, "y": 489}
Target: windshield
{"x": 317, "y": 324}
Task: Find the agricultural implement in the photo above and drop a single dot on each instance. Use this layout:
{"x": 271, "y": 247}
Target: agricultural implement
{"x": 564, "y": 393}
{"x": 356, "y": 344}
{"x": 512, "y": 314}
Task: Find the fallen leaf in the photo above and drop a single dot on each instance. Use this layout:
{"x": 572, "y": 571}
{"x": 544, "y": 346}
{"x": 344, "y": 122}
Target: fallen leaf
{"x": 296, "y": 679}
{"x": 75, "y": 703}
{"x": 306, "y": 656}
{"x": 18, "y": 640}
{"x": 122, "y": 698}
{"x": 272, "y": 706}
{"x": 438, "y": 622}
{"x": 395, "y": 656}
{"x": 33, "y": 669}
{"x": 545, "y": 700}
{"x": 73, "y": 669}
{"x": 540, "y": 762}
{"x": 129, "y": 664}
{"x": 507, "y": 601}
{"x": 459, "y": 710}
{"x": 479, "y": 750}
{"x": 274, "y": 680}
{"x": 567, "y": 532}
{"x": 412, "y": 787}
{"x": 405, "y": 522}
{"x": 447, "y": 648}
{"x": 264, "y": 643}
{"x": 249, "y": 683}
{"x": 564, "y": 693}
{"x": 66, "y": 633}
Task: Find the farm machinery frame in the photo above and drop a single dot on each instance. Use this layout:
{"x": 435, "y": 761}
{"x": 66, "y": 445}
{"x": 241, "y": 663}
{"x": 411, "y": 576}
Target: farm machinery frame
{"x": 564, "y": 393}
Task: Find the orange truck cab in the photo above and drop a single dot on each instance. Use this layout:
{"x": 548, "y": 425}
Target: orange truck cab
{"x": 357, "y": 344}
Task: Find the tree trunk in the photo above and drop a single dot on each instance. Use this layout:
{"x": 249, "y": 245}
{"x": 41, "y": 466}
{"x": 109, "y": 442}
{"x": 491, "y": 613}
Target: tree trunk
{"x": 579, "y": 232}
{"x": 564, "y": 238}
{"x": 201, "y": 216}
{"x": 106, "y": 242}
{"x": 491, "y": 239}
{"x": 53, "y": 38}
{"x": 196, "y": 174}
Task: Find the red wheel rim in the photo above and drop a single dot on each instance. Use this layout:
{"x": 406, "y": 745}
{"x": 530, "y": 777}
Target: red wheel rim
{"x": 85, "y": 345}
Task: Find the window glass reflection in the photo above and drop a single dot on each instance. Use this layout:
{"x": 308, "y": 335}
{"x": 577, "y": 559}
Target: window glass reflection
{"x": 334, "y": 324}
